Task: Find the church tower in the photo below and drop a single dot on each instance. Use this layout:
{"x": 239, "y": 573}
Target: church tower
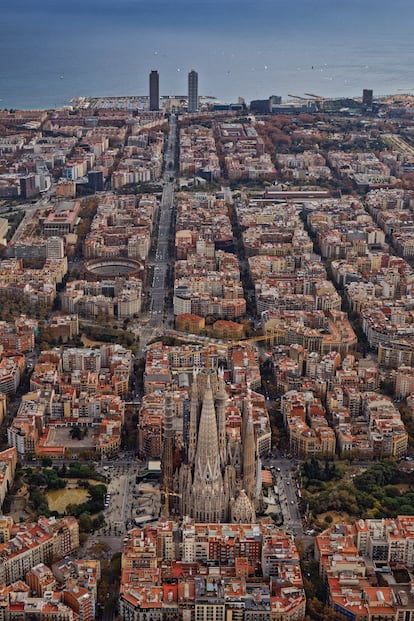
{"x": 167, "y": 453}
{"x": 193, "y": 426}
{"x": 208, "y": 492}
{"x": 249, "y": 459}
{"x": 217, "y": 467}
{"x": 221, "y": 403}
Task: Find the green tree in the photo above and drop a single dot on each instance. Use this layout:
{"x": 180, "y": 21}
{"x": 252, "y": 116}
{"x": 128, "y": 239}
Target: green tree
{"x": 85, "y": 522}
{"x": 76, "y": 433}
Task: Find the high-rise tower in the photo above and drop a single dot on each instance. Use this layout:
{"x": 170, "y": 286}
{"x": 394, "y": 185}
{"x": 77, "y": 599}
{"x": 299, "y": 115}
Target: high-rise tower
{"x": 193, "y": 91}
{"x": 154, "y": 90}
{"x": 367, "y": 97}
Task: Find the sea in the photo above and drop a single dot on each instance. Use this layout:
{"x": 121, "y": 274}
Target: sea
{"x": 54, "y": 50}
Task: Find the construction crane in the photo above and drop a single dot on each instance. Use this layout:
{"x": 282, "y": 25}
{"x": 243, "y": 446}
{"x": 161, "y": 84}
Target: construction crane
{"x": 313, "y": 96}
{"x": 222, "y": 348}
{"x": 203, "y": 340}
{"x": 249, "y": 339}
{"x": 298, "y": 97}
{"x": 255, "y": 339}
{"x": 167, "y": 493}
{"x": 310, "y": 100}
{"x": 317, "y": 99}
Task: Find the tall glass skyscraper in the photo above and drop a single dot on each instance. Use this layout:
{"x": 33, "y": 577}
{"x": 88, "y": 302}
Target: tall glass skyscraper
{"x": 154, "y": 90}
{"x": 193, "y": 91}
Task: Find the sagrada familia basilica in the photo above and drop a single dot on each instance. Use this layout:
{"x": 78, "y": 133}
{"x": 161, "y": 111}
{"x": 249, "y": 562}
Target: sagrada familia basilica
{"x": 219, "y": 477}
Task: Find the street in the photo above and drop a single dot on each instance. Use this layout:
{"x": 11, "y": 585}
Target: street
{"x": 154, "y": 321}
{"x": 128, "y": 501}
{"x": 287, "y": 490}
{"x": 162, "y": 247}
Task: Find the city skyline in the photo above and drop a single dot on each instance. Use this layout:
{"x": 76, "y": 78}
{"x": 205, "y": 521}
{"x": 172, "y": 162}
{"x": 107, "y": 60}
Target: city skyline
{"x": 209, "y": 318}
{"x": 207, "y": 311}
{"x": 349, "y": 45}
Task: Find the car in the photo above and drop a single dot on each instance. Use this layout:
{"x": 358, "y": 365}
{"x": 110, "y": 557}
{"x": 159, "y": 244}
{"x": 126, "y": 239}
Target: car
{"x": 287, "y": 482}
{"x": 291, "y": 502}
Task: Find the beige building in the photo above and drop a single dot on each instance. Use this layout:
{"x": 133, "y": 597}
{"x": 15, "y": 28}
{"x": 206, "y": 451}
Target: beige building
{"x": 190, "y": 323}
{"x": 8, "y": 461}
{"x": 37, "y": 543}
{"x": 4, "y": 225}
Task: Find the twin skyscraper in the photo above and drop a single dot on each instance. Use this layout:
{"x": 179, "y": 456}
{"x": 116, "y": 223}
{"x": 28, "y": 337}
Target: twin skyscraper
{"x": 154, "y": 91}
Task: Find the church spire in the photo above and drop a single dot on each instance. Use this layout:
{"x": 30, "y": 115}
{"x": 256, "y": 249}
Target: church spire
{"x": 249, "y": 452}
{"x": 221, "y": 402}
{"x": 217, "y": 467}
{"x": 192, "y": 432}
{"x": 167, "y": 454}
{"x": 207, "y": 456}
{"x": 209, "y": 500}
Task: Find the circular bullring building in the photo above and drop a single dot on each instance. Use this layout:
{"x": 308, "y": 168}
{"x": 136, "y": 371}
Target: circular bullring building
{"x": 96, "y": 269}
